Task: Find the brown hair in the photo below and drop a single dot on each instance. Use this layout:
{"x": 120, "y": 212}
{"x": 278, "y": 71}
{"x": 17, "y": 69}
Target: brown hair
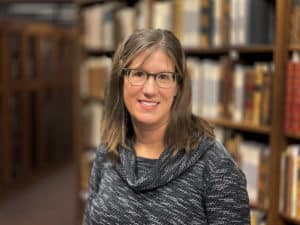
{"x": 184, "y": 128}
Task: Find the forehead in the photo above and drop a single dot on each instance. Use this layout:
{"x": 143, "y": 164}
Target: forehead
{"x": 153, "y": 58}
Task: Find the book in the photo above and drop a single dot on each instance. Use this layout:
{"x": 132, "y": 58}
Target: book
{"x": 187, "y": 22}
{"x": 206, "y": 18}
{"x": 143, "y": 14}
{"x": 125, "y": 23}
{"x": 196, "y": 74}
{"x": 91, "y": 116}
{"x": 226, "y": 88}
{"x": 257, "y": 217}
{"x": 250, "y": 159}
{"x": 289, "y": 182}
{"x": 94, "y": 75}
{"x": 162, "y": 16}
{"x": 292, "y": 102}
{"x": 238, "y": 93}
{"x": 92, "y": 26}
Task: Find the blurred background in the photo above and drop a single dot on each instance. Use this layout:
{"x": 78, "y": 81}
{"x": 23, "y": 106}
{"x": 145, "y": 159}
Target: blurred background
{"x": 55, "y": 57}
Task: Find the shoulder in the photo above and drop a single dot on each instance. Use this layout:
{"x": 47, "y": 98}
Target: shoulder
{"x": 225, "y": 191}
{"x": 213, "y": 150}
{"x": 101, "y": 155}
{"x": 218, "y": 161}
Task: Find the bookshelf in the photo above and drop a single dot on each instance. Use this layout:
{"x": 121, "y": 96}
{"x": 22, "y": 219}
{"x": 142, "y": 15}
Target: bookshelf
{"x": 241, "y": 126}
{"x": 274, "y": 50}
{"x": 35, "y": 87}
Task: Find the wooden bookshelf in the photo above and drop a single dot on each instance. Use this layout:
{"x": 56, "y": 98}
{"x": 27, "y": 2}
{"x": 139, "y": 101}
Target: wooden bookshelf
{"x": 295, "y": 47}
{"x": 37, "y": 1}
{"x": 99, "y": 52}
{"x": 295, "y": 136}
{"x": 257, "y": 206}
{"x": 253, "y": 49}
{"x": 277, "y": 138}
{"x": 86, "y": 100}
{"x": 35, "y": 101}
{"x": 290, "y": 220}
{"x": 241, "y": 126}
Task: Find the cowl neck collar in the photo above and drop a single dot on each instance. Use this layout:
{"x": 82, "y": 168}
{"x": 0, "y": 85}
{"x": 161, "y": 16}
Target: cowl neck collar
{"x": 165, "y": 169}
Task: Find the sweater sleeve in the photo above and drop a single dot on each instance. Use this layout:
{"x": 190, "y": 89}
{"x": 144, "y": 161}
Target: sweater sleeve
{"x": 226, "y": 199}
{"x": 93, "y": 186}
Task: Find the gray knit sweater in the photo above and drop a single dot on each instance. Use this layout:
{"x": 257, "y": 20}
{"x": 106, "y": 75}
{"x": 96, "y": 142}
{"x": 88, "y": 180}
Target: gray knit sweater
{"x": 201, "y": 187}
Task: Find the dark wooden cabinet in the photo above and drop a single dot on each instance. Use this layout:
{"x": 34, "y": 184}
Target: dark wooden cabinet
{"x": 36, "y": 100}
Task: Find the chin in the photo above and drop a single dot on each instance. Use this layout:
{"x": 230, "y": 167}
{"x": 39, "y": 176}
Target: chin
{"x": 146, "y": 120}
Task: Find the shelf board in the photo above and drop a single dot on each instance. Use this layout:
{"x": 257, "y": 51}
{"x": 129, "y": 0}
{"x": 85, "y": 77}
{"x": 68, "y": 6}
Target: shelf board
{"x": 86, "y": 100}
{"x": 89, "y": 2}
{"x": 37, "y": 1}
{"x": 209, "y": 50}
{"x": 99, "y": 52}
{"x": 293, "y": 135}
{"x": 254, "y": 205}
{"x": 241, "y": 126}
{"x": 250, "y": 49}
{"x": 254, "y": 49}
{"x": 290, "y": 219}
{"x": 295, "y": 47}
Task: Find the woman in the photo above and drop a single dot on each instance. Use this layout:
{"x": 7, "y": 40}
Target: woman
{"x": 158, "y": 163}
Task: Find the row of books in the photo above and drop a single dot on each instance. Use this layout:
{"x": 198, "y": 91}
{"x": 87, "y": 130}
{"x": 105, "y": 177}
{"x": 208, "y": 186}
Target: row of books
{"x": 91, "y": 115}
{"x": 258, "y": 217}
{"x": 197, "y": 23}
{"x": 292, "y": 95}
{"x": 290, "y": 182}
{"x": 94, "y": 74}
{"x": 57, "y": 13}
{"x": 253, "y": 159}
{"x": 230, "y": 90}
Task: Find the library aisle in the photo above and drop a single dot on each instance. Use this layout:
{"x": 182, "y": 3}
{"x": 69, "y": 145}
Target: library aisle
{"x": 50, "y": 201}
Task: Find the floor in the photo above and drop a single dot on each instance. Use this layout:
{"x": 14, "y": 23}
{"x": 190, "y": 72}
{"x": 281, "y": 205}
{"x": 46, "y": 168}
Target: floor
{"x": 51, "y": 201}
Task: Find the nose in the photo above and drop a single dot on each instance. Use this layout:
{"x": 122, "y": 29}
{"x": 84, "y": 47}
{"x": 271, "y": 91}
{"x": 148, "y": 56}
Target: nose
{"x": 150, "y": 87}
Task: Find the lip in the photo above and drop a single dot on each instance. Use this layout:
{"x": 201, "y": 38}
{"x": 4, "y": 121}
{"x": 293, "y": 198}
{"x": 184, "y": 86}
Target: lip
{"x": 146, "y": 104}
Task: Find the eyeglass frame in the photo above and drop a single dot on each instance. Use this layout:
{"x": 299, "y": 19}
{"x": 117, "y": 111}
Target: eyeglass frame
{"x": 127, "y": 71}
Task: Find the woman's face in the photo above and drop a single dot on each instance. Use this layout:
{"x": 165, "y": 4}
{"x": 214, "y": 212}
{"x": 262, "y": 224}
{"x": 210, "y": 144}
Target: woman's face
{"x": 148, "y": 104}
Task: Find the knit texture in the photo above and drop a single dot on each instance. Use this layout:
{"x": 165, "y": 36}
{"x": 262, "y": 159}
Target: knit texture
{"x": 203, "y": 187}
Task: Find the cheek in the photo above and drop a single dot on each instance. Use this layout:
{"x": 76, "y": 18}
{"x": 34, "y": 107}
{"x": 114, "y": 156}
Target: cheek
{"x": 129, "y": 93}
{"x": 169, "y": 96}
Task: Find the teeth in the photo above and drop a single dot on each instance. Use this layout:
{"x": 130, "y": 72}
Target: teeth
{"x": 149, "y": 103}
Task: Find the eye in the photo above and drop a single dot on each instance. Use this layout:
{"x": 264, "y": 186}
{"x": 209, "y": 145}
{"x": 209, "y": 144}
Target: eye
{"x": 164, "y": 76}
{"x": 137, "y": 73}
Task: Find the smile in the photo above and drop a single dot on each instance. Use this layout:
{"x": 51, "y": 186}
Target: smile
{"x": 148, "y": 103}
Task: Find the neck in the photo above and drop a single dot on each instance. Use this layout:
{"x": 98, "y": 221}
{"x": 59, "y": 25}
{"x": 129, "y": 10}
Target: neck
{"x": 149, "y": 140}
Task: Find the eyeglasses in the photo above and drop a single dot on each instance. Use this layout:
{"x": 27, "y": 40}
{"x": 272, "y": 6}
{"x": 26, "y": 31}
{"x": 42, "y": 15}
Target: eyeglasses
{"x": 138, "y": 77}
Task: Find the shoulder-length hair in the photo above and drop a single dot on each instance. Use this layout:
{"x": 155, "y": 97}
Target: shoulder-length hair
{"x": 184, "y": 129}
